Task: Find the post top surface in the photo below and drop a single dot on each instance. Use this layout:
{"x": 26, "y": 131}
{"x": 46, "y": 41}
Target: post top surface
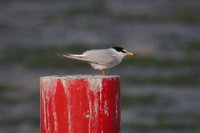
{"x": 80, "y": 77}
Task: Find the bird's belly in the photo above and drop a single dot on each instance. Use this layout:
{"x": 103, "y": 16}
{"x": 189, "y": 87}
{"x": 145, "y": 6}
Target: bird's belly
{"x": 100, "y": 67}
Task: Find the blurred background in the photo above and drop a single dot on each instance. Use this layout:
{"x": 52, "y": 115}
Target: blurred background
{"x": 160, "y": 86}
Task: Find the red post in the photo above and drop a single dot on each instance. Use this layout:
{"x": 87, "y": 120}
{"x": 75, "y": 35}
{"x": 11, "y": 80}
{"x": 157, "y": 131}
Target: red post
{"x": 80, "y": 104}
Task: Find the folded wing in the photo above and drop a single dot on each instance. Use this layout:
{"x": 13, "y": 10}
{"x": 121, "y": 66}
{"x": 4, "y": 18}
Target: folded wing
{"x": 102, "y": 56}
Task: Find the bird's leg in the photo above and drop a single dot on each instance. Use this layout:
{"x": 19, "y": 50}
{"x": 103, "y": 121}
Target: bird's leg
{"x": 103, "y": 72}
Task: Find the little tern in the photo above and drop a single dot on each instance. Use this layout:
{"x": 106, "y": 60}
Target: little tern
{"x": 101, "y": 59}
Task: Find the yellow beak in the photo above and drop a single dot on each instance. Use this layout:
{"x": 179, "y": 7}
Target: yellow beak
{"x": 130, "y": 53}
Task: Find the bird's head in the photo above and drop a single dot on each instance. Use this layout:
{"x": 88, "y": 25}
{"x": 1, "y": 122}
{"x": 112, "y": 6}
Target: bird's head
{"x": 123, "y": 51}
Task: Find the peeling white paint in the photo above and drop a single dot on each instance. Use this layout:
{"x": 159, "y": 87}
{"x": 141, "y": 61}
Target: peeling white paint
{"x": 106, "y": 112}
{"x": 90, "y": 110}
{"x": 66, "y": 83}
{"x": 55, "y": 116}
{"x": 116, "y": 106}
{"x": 63, "y": 81}
{"x": 95, "y": 87}
{"x": 48, "y": 87}
{"x": 96, "y": 107}
{"x": 48, "y": 127}
{"x": 69, "y": 109}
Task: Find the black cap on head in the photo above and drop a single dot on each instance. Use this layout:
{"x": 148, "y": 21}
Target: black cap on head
{"x": 119, "y": 49}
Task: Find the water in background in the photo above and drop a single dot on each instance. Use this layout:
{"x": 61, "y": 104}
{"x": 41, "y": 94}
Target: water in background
{"x": 160, "y": 86}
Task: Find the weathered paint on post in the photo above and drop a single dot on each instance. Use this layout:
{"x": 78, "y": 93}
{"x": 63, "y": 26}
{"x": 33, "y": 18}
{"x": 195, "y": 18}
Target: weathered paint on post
{"x": 80, "y": 104}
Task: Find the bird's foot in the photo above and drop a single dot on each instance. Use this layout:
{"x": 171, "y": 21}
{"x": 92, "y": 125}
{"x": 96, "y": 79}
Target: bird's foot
{"x": 103, "y": 72}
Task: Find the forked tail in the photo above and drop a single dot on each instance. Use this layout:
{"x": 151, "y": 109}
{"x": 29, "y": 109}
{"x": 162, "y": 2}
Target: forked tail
{"x": 72, "y": 56}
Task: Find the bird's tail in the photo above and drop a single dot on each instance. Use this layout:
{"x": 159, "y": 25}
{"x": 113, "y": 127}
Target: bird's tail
{"x": 71, "y": 56}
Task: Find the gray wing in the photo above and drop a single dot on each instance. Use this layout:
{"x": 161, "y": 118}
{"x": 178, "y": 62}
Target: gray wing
{"x": 101, "y": 56}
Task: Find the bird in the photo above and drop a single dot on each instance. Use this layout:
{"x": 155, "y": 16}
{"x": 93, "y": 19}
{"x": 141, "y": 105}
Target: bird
{"x": 100, "y": 59}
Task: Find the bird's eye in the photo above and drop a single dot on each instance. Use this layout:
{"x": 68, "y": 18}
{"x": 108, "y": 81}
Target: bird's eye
{"x": 124, "y": 51}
